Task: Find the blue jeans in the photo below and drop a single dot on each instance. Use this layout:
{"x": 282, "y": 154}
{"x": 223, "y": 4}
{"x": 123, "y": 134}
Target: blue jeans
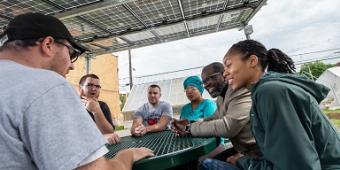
{"x": 213, "y": 164}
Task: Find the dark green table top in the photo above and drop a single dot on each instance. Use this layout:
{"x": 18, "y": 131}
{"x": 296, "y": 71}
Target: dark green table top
{"x": 170, "y": 150}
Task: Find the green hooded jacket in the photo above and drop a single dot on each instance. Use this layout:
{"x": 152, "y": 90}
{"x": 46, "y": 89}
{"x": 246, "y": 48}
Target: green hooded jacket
{"x": 289, "y": 127}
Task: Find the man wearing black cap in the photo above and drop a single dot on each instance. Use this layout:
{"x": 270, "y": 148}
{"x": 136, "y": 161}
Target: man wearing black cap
{"x": 43, "y": 124}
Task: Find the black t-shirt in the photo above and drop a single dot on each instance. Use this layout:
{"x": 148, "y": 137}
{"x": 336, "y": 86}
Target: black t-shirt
{"x": 106, "y": 110}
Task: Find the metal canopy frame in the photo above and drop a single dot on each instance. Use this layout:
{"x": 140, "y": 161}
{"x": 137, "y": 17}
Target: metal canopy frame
{"x": 106, "y": 26}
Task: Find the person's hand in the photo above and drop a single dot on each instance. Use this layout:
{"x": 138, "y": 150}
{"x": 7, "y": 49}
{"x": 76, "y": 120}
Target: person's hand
{"x": 140, "y": 153}
{"x": 92, "y": 105}
{"x": 140, "y": 130}
{"x": 137, "y": 153}
{"x": 112, "y": 138}
{"x": 233, "y": 159}
{"x": 178, "y": 126}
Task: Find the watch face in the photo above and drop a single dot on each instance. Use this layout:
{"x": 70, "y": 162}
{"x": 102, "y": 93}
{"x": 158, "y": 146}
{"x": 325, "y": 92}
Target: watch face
{"x": 187, "y": 128}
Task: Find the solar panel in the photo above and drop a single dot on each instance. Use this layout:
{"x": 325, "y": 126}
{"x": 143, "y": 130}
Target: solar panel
{"x": 80, "y": 28}
{"x": 203, "y": 24}
{"x": 156, "y": 11}
{"x": 136, "y": 23}
{"x": 68, "y": 4}
{"x": 115, "y": 19}
{"x": 194, "y": 8}
{"x": 11, "y": 8}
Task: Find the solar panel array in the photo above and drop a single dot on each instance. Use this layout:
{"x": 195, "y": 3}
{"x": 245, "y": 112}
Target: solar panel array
{"x": 124, "y": 24}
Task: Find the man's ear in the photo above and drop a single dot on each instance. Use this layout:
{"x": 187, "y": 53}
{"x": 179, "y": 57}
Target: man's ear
{"x": 253, "y": 60}
{"x": 79, "y": 88}
{"x": 47, "y": 46}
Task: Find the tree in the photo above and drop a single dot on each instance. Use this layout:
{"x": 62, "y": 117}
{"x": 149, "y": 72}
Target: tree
{"x": 315, "y": 69}
{"x": 122, "y": 98}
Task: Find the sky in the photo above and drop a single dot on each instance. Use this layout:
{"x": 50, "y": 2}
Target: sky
{"x": 294, "y": 26}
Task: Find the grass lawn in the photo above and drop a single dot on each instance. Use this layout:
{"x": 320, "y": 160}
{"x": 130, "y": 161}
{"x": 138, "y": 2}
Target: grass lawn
{"x": 334, "y": 115}
{"x": 336, "y": 122}
{"x": 121, "y": 127}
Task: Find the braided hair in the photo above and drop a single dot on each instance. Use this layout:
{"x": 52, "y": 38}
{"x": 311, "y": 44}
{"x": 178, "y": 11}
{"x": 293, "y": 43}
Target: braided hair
{"x": 272, "y": 60}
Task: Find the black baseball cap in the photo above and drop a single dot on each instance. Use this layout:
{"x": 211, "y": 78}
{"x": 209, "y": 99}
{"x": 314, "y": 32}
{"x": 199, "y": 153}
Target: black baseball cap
{"x": 36, "y": 25}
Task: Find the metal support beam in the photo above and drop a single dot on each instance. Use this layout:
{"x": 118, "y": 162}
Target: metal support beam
{"x": 221, "y": 16}
{"x": 183, "y": 17}
{"x": 100, "y": 46}
{"x": 88, "y": 57}
{"x": 155, "y": 33}
{"x": 126, "y": 40}
{"x": 264, "y": 2}
{"x": 128, "y": 8}
{"x": 130, "y": 69}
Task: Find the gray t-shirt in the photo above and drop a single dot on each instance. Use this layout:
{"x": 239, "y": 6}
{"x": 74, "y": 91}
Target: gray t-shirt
{"x": 43, "y": 124}
{"x": 151, "y": 114}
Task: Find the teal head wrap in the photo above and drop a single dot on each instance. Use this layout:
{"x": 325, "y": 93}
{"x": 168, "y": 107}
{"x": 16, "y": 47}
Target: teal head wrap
{"x": 194, "y": 81}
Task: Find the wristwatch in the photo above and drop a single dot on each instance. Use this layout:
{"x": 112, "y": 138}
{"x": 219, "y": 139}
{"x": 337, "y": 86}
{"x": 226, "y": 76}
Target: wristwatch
{"x": 188, "y": 128}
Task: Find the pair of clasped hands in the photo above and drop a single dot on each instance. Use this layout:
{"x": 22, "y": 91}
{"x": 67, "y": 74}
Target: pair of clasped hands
{"x": 140, "y": 130}
{"x": 179, "y": 127}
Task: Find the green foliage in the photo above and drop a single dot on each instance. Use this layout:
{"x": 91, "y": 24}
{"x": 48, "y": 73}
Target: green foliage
{"x": 121, "y": 127}
{"x": 122, "y": 98}
{"x": 315, "y": 69}
{"x": 336, "y": 122}
{"x": 327, "y": 111}
{"x": 334, "y": 116}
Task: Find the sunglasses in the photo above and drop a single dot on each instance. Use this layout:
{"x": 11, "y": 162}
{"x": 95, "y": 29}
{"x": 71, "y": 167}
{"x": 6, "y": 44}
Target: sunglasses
{"x": 74, "y": 53}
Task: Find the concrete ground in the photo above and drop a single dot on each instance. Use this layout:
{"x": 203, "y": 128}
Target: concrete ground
{"x": 126, "y": 131}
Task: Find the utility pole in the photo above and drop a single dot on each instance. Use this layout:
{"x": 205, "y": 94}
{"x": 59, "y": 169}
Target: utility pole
{"x": 130, "y": 69}
{"x": 88, "y": 57}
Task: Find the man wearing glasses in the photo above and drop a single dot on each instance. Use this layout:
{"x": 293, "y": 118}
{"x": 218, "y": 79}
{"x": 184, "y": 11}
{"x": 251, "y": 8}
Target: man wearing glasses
{"x": 89, "y": 89}
{"x": 43, "y": 123}
{"x": 231, "y": 119}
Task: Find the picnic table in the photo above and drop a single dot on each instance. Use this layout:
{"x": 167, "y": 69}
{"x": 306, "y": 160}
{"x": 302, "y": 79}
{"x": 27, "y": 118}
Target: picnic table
{"x": 170, "y": 150}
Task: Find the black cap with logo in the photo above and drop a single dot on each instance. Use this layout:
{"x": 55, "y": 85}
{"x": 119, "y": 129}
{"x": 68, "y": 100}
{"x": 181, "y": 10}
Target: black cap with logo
{"x": 36, "y": 25}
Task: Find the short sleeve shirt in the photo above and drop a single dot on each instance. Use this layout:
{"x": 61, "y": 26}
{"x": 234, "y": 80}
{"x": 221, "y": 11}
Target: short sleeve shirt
{"x": 205, "y": 109}
{"x": 43, "y": 124}
{"x": 152, "y": 114}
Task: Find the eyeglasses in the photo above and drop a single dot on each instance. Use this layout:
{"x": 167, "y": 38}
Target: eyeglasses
{"x": 74, "y": 53}
{"x": 211, "y": 77}
{"x": 93, "y": 85}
